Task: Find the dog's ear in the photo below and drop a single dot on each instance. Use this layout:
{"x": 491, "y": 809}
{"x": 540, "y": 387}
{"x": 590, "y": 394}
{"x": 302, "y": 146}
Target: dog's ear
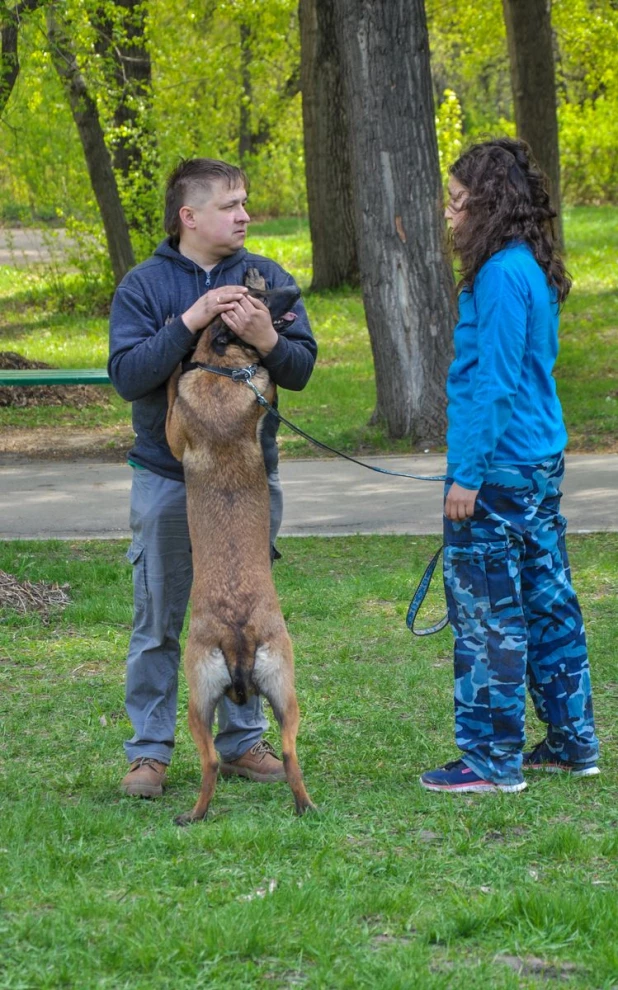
{"x": 253, "y": 280}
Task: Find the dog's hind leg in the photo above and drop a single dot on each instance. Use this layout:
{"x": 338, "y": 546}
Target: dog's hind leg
{"x": 207, "y": 683}
{"x": 200, "y": 725}
{"x": 273, "y": 675}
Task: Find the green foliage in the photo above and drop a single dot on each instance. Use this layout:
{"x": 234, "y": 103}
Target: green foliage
{"x": 449, "y": 120}
{"x": 469, "y": 57}
{"x": 211, "y": 90}
{"x": 194, "y": 109}
{"x": 198, "y": 98}
{"x": 589, "y": 139}
{"x": 388, "y": 887}
{"x": 42, "y": 171}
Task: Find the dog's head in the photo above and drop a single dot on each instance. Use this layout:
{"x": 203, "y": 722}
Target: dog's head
{"x": 279, "y": 303}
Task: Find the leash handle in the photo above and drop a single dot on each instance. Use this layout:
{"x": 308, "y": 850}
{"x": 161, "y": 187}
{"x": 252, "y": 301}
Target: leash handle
{"x": 419, "y": 597}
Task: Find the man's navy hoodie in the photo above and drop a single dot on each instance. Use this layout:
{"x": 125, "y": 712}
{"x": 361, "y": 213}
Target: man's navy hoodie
{"x": 148, "y": 340}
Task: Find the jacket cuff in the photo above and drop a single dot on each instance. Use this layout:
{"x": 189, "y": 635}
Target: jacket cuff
{"x": 180, "y": 334}
{"x": 467, "y": 481}
{"x": 278, "y": 355}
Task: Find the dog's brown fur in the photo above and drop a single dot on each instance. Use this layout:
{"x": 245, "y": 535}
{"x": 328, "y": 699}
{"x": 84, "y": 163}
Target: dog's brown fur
{"x": 238, "y": 643}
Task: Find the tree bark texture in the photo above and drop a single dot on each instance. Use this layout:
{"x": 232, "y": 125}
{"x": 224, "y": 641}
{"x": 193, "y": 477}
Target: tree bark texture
{"x": 406, "y": 271}
{"x": 97, "y": 156}
{"x": 533, "y": 81}
{"x": 327, "y": 149}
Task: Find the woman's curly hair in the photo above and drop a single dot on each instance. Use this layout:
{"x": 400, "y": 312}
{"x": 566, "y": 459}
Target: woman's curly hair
{"x": 507, "y": 201}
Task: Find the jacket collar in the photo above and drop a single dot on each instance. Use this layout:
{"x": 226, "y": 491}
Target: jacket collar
{"x": 167, "y": 250}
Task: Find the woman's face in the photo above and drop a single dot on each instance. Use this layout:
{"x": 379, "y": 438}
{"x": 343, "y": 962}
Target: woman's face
{"x": 455, "y": 209}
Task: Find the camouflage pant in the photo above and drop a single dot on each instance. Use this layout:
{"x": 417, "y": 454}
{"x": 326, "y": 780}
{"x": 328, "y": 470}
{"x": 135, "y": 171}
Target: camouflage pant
{"x": 517, "y": 623}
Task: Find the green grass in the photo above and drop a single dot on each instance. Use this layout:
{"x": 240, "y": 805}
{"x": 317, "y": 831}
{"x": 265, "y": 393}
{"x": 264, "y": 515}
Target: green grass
{"x": 338, "y": 402}
{"x": 387, "y": 887}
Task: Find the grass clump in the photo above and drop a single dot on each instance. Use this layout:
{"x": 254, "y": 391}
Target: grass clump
{"x": 388, "y": 886}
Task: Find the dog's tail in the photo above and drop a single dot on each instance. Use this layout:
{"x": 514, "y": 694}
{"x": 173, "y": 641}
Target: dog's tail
{"x": 238, "y": 648}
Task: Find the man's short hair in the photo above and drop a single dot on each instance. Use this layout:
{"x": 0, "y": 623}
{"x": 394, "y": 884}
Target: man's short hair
{"x": 195, "y": 175}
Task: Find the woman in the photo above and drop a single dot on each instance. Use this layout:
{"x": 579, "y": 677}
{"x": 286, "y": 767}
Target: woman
{"x": 513, "y": 611}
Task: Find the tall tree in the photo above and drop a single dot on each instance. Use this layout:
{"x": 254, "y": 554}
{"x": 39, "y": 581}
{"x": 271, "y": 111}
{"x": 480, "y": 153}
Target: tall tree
{"x": 98, "y": 159}
{"x": 254, "y": 128}
{"x": 406, "y": 274}
{"x": 10, "y": 18}
{"x": 533, "y": 80}
{"x": 327, "y": 149}
{"x": 121, "y": 28}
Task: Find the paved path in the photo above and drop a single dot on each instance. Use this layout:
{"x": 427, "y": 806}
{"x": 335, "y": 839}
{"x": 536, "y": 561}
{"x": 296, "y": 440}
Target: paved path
{"x": 21, "y": 246}
{"x": 89, "y": 500}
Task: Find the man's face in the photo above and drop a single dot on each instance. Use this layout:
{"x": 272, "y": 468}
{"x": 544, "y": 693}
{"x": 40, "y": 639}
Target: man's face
{"x": 218, "y": 219}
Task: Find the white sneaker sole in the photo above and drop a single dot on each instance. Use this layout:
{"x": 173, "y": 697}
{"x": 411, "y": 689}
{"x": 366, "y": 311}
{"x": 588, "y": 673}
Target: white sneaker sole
{"x": 549, "y": 768}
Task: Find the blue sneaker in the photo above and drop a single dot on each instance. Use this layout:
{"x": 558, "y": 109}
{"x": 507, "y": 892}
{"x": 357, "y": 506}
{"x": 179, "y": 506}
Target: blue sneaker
{"x": 542, "y": 758}
{"x": 460, "y": 779}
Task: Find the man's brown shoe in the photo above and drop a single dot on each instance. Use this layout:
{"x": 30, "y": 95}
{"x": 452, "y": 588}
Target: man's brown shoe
{"x": 145, "y": 778}
{"x": 260, "y": 763}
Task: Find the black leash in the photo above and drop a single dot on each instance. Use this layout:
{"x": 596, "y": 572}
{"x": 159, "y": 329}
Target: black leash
{"x": 324, "y": 446}
{"x": 245, "y": 375}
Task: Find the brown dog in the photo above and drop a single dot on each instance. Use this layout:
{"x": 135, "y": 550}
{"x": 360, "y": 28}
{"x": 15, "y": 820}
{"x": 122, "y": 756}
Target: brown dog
{"x": 238, "y": 644}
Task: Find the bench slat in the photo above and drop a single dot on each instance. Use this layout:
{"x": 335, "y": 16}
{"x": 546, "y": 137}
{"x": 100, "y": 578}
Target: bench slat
{"x": 55, "y": 376}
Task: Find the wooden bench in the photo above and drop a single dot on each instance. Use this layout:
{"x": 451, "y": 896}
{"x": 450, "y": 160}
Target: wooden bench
{"x": 55, "y": 376}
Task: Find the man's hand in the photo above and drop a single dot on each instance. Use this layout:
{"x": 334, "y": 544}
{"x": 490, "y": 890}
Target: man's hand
{"x": 212, "y": 304}
{"x": 250, "y": 320}
{"x": 459, "y": 503}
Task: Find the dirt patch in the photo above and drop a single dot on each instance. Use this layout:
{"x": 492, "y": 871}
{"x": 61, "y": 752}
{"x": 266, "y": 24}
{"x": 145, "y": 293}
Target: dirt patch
{"x": 110, "y": 443}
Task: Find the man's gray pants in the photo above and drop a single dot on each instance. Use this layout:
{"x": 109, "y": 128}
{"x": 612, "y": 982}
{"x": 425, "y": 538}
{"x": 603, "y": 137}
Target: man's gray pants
{"x": 162, "y": 574}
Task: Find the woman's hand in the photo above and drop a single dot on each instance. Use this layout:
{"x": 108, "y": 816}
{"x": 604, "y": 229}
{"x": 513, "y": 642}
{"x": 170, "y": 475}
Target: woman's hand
{"x": 459, "y": 503}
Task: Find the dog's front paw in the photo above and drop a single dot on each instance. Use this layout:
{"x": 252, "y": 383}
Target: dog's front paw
{"x": 254, "y": 280}
{"x": 302, "y": 807}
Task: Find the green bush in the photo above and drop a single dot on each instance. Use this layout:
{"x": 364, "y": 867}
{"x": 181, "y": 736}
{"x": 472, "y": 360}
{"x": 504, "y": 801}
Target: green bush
{"x": 588, "y": 143}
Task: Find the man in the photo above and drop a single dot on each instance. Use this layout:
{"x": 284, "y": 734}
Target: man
{"x": 195, "y": 275}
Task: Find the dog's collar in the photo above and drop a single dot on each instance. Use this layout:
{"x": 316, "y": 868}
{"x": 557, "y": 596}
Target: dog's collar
{"x": 236, "y": 374}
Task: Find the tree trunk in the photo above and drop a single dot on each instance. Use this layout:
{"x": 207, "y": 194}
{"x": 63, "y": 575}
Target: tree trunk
{"x": 327, "y": 150}
{"x": 253, "y": 134}
{"x": 245, "y": 144}
{"x": 10, "y": 19}
{"x": 406, "y": 272}
{"x": 134, "y": 146}
{"x": 9, "y": 62}
{"x": 533, "y": 81}
{"x": 97, "y": 156}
